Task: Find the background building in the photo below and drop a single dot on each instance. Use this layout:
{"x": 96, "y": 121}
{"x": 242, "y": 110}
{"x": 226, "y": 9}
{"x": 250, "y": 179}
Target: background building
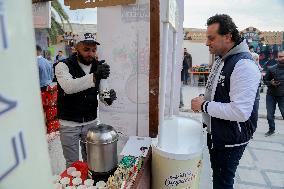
{"x": 266, "y": 43}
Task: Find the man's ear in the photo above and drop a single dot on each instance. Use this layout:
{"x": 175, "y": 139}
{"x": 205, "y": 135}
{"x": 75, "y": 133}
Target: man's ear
{"x": 228, "y": 37}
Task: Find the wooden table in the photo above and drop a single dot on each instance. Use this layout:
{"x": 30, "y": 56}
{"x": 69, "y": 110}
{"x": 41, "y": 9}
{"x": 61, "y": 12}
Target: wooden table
{"x": 192, "y": 73}
{"x": 143, "y": 179}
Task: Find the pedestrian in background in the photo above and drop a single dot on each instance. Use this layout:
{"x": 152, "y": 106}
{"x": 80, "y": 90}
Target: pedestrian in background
{"x": 186, "y": 66}
{"x": 45, "y": 70}
{"x": 274, "y": 79}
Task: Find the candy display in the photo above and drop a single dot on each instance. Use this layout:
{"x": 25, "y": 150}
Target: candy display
{"x": 49, "y": 102}
{"x": 126, "y": 173}
{"x": 123, "y": 178}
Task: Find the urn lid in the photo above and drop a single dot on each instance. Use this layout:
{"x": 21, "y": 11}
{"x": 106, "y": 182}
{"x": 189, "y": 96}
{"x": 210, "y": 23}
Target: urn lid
{"x": 101, "y": 134}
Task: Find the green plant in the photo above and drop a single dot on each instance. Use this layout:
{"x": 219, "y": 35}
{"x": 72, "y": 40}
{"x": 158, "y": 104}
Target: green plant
{"x": 57, "y": 28}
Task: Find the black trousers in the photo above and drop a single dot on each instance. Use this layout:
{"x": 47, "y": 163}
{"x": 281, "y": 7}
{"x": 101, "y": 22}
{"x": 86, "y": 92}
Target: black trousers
{"x": 224, "y": 163}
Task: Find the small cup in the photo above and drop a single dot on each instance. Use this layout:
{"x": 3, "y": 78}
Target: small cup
{"x": 76, "y": 174}
{"x": 56, "y": 179}
{"x": 82, "y": 187}
{"x": 70, "y": 187}
{"x": 58, "y": 186}
{"x": 70, "y": 170}
{"x": 77, "y": 181}
{"x": 92, "y": 187}
{"x": 101, "y": 185}
{"x": 65, "y": 181}
{"x": 89, "y": 182}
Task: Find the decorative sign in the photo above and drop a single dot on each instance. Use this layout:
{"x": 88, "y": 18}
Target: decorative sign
{"x": 181, "y": 178}
{"x": 3, "y": 27}
{"x": 82, "y": 4}
{"x": 135, "y": 13}
{"x": 19, "y": 153}
{"x": 22, "y": 163}
{"x": 6, "y": 105}
{"x": 42, "y": 14}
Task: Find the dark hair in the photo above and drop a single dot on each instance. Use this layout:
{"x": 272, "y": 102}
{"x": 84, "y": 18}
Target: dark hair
{"x": 226, "y": 25}
{"x": 38, "y": 48}
{"x": 251, "y": 47}
{"x": 60, "y": 51}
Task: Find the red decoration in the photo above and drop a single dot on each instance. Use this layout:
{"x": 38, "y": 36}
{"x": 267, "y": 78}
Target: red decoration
{"x": 49, "y": 103}
{"x": 80, "y": 166}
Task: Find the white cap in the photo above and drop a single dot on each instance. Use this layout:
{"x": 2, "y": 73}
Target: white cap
{"x": 88, "y": 37}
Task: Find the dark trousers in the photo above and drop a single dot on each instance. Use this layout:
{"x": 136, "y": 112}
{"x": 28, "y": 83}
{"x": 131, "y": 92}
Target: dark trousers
{"x": 271, "y": 102}
{"x": 184, "y": 76}
{"x": 224, "y": 163}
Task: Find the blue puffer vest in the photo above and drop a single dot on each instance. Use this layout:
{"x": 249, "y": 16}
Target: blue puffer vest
{"x": 225, "y": 133}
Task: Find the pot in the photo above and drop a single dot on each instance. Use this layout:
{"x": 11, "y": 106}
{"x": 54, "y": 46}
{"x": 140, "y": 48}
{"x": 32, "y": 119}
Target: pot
{"x": 101, "y": 143}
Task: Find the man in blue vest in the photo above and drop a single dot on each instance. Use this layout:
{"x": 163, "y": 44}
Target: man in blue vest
{"x": 78, "y": 80}
{"x": 228, "y": 105}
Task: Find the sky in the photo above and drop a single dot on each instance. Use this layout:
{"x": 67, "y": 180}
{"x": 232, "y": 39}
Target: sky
{"x": 265, "y": 15}
{"x": 85, "y": 16}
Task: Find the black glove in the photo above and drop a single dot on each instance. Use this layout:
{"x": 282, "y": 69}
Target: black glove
{"x": 112, "y": 97}
{"x": 102, "y": 72}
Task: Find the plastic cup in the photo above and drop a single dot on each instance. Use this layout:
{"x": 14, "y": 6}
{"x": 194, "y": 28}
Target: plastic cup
{"x": 77, "y": 181}
{"x": 65, "y": 181}
{"x": 82, "y": 187}
{"x": 92, "y": 187}
{"x": 89, "y": 182}
{"x": 70, "y": 187}
{"x": 56, "y": 179}
{"x": 58, "y": 186}
{"x": 101, "y": 185}
{"x": 76, "y": 174}
{"x": 70, "y": 170}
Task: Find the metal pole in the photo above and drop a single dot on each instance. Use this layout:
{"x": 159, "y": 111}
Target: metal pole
{"x": 173, "y": 75}
{"x": 163, "y": 78}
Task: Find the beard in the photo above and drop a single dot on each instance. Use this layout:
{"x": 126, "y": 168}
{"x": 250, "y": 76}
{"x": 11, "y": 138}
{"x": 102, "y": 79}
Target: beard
{"x": 85, "y": 61}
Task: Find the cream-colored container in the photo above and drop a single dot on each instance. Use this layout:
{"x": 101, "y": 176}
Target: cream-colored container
{"x": 177, "y": 163}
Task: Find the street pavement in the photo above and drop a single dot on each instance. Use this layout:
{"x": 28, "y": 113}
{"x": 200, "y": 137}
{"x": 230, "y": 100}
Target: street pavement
{"x": 262, "y": 165}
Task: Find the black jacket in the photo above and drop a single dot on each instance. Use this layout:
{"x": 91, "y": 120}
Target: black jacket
{"x": 275, "y": 72}
{"x": 82, "y": 106}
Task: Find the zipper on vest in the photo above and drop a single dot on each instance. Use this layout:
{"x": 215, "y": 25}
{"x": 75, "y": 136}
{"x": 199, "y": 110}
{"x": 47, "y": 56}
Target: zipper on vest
{"x": 240, "y": 129}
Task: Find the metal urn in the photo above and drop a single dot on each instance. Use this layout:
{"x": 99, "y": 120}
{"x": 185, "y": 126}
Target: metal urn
{"x": 101, "y": 143}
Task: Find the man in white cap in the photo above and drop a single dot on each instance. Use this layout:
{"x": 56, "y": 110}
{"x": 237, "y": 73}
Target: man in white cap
{"x": 78, "y": 80}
